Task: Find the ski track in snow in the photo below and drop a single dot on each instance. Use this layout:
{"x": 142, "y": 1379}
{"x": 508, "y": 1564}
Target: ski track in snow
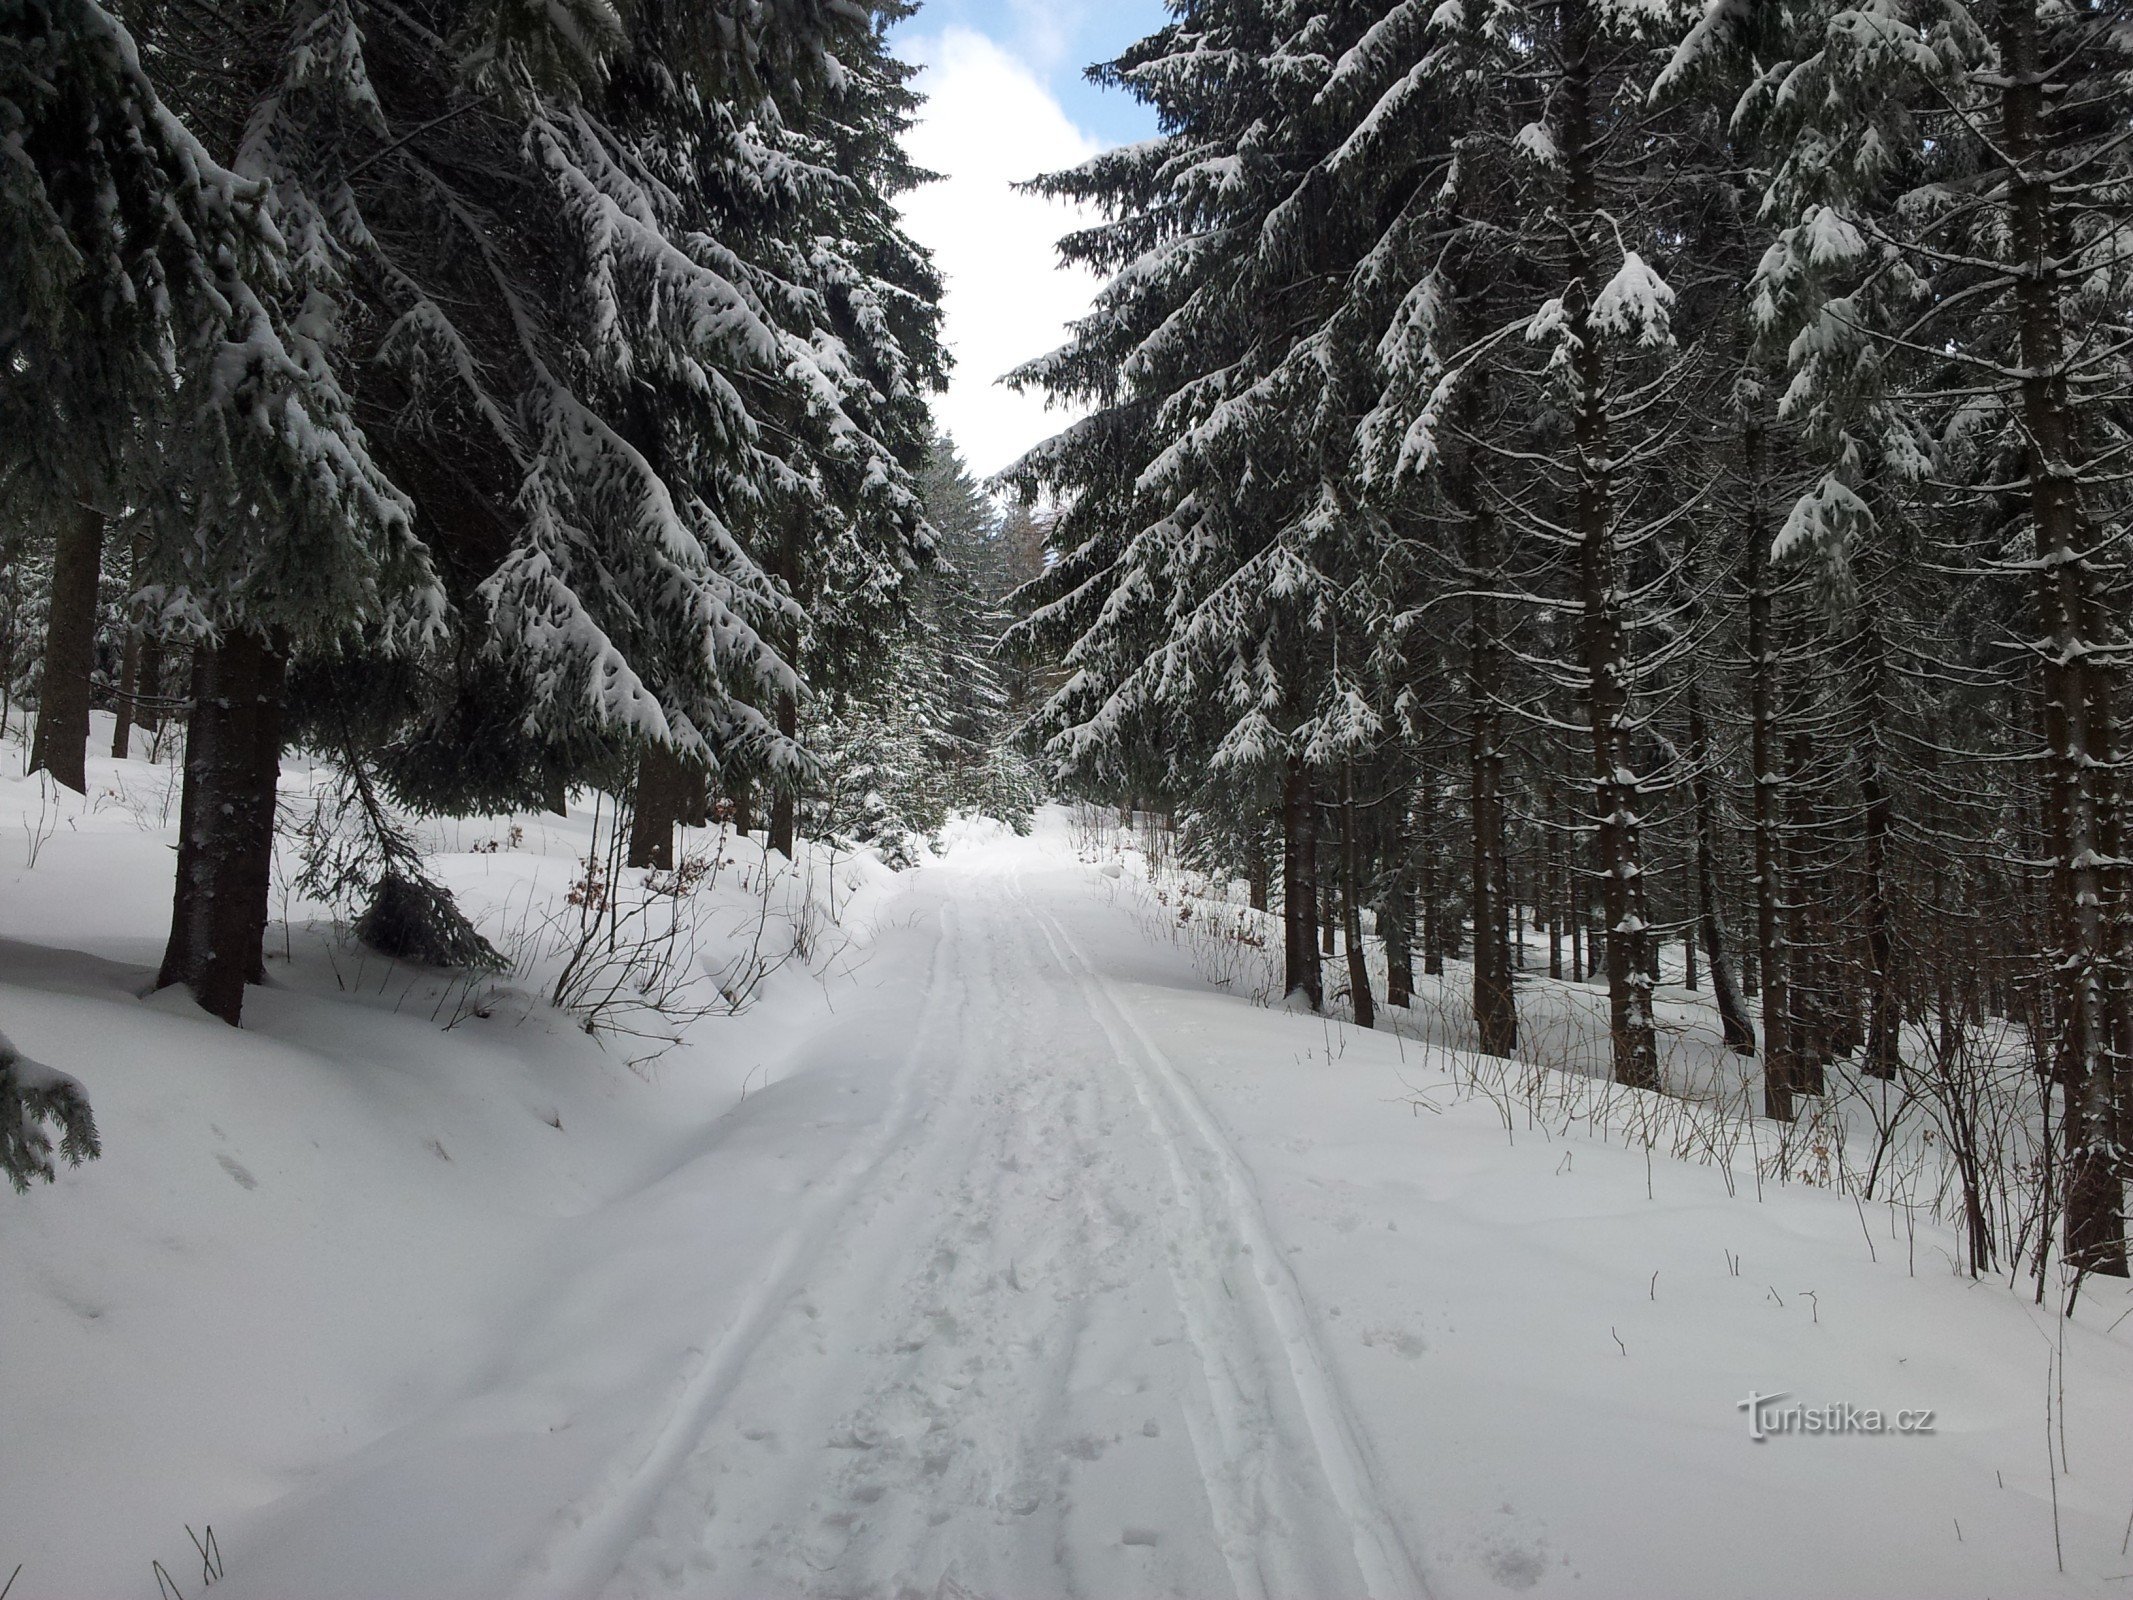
{"x": 1034, "y": 1338}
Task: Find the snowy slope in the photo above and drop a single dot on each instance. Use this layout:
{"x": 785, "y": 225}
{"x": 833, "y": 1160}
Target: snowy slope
{"x": 1036, "y": 1267}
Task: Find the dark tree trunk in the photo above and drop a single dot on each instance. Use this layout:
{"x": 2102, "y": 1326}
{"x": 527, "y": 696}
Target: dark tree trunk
{"x": 1432, "y": 881}
{"x": 1396, "y": 915}
{"x": 1617, "y": 793}
{"x": 1328, "y": 902}
{"x": 695, "y": 795}
{"x": 1710, "y": 922}
{"x": 785, "y": 799}
{"x": 1256, "y": 871}
{"x": 128, "y": 689}
{"x": 1301, "y": 973}
{"x": 1779, "y": 1070}
{"x": 61, "y": 743}
{"x": 2078, "y": 712}
{"x": 1884, "y": 1001}
{"x": 226, "y": 823}
{"x": 1495, "y": 1009}
{"x": 1352, "y": 908}
{"x": 264, "y": 784}
{"x": 148, "y": 687}
{"x": 1806, "y": 987}
{"x": 656, "y": 808}
{"x": 1557, "y": 890}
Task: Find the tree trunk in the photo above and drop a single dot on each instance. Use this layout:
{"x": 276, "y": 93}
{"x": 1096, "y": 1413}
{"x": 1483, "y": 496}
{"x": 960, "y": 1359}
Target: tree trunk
{"x": 1617, "y": 791}
{"x": 785, "y": 799}
{"x": 148, "y": 688}
{"x": 2076, "y": 683}
{"x": 61, "y": 743}
{"x": 1577, "y": 918}
{"x": 1884, "y": 1003}
{"x": 1557, "y": 890}
{"x": 1396, "y": 916}
{"x": 130, "y": 671}
{"x": 1432, "y": 882}
{"x": 1256, "y": 871}
{"x": 1301, "y": 973}
{"x": 1710, "y": 923}
{"x": 656, "y": 808}
{"x": 226, "y": 823}
{"x": 1352, "y": 909}
{"x": 256, "y": 882}
{"x": 1495, "y": 1009}
{"x": 128, "y": 688}
{"x": 695, "y": 795}
{"x": 1763, "y": 667}
{"x": 1328, "y": 910}
{"x": 1806, "y": 984}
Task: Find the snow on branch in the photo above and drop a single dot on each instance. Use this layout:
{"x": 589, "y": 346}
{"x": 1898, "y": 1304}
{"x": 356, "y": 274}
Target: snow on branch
{"x": 31, "y": 1096}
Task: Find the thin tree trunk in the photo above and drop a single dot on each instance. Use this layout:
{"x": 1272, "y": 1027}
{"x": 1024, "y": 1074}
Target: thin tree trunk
{"x": 130, "y": 672}
{"x": 1301, "y": 973}
{"x": 1495, "y": 1012}
{"x": 128, "y": 688}
{"x": 1396, "y": 915}
{"x": 148, "y": 689}
{"x": 1256, "y": 871}
{"x": 1732, "y": 1009}
{"x": 785, "y": 800}
{"x": 1327, "y": 905}
{"x": 61, "y": 743}
{"x": 1432, "y": 886}
{"x": 1806, "y": 986}
{"x": 1884, "y": 1004}
{"x": 1558, "y": 890}
{"x": 1577, "y": 918}
{"x": 1352, "y": 909}
{"x": 1779, "y": 1071}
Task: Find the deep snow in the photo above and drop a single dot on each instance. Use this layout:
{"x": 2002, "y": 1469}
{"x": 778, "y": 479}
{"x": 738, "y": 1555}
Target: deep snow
{"x": 1028, "y": 1265}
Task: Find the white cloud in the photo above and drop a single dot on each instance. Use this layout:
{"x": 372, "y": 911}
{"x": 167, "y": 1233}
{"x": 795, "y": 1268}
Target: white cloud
{"x": 989, "y": 122}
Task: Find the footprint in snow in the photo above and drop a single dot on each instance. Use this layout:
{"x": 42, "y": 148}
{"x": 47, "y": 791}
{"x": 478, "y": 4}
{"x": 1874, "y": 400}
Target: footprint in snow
{"x": 236, "y": 1170}
{"x": 1515, "y": 1565}
{"x": 1398, "y": 1340}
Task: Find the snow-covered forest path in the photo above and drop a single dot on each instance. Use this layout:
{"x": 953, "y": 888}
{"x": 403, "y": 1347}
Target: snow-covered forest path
{"x": 1032, "y": 1262}
{"x": 1032, "y": 1335}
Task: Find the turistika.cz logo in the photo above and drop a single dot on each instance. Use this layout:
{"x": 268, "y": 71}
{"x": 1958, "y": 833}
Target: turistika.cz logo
{"x": 1769, "y": 1416}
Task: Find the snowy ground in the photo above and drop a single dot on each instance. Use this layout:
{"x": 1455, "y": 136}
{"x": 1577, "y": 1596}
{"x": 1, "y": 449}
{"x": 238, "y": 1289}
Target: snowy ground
{"x": 1029, "y": 1265}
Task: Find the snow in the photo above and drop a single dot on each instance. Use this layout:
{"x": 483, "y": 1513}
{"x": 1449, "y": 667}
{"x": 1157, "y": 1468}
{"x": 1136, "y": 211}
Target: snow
{"x": 998, "y": 1253}
{"x": 1635, "y": 303}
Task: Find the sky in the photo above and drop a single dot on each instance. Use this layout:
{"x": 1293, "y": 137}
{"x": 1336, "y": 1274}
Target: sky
{"x": 1005, "y": 101}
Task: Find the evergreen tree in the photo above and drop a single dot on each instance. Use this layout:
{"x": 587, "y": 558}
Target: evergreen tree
{"x": 927, "y": 736}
